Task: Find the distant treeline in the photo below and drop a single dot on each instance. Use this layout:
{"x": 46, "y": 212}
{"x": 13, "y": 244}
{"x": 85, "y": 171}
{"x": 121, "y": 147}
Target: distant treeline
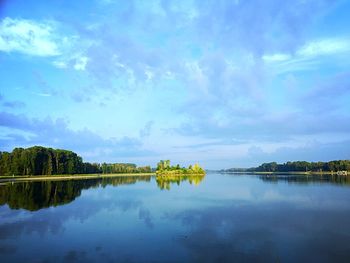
{"x": 299, "y": 166}
{"x": 39, "y": 160}
{"x": 108, "y": 168}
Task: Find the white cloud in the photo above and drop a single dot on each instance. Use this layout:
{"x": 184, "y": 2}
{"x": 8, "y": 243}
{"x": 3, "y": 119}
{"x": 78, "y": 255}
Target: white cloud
{"x": 59, "y": 64}
{"x": 43, "y": 94}
{"x": 312, "y": 49}
{"x": 81, "y": 63}
{"x": 324, "y": 47}
{"x": 28, "y": 37}
{"x": 276, "y": 57}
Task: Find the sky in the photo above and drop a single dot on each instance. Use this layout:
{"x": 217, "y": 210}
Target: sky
{"x": 223, "y": 83}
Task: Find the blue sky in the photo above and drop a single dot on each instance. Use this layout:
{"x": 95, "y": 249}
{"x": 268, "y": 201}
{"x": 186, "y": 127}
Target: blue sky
{"x": 222, "y": 83}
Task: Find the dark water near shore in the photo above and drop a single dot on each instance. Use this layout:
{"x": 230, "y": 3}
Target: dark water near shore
{"x": 218, "y": 218}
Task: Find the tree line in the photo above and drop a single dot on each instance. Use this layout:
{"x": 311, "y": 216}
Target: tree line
{"x": 298, "y": 166}
{"x": 107, "y": 168}
{"x": 40, "y": 160}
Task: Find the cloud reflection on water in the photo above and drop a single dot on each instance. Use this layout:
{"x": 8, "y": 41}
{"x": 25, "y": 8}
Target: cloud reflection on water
{"x": 265, "y": 233}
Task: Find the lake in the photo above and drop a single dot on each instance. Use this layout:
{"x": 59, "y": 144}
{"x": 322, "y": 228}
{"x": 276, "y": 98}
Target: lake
{"x": 218, "y": 218}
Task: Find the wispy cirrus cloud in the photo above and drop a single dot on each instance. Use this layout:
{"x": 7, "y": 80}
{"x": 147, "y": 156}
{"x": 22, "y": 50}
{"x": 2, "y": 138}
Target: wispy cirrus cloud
{"x": 308, "y": 56}
{"x": 326, "y": 46}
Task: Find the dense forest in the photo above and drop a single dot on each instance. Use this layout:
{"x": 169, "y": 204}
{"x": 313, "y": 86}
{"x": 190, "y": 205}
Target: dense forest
{"x": 39, "y": 160}
{"x": 164, "y": 168}
{"x": 299, "y": 166}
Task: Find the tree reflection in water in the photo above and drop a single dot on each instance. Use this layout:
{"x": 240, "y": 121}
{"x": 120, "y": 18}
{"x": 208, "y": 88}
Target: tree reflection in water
{"x": 164, "y": 182}
{"x": 307, "y": 179}
{"x": 37, "y": 195}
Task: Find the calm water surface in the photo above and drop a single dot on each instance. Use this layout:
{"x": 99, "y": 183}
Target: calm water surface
{"x": 221, "y": 218}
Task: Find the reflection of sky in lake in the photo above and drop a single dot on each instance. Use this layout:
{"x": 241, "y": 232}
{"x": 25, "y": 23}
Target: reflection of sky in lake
{"x": 224, "y": 218}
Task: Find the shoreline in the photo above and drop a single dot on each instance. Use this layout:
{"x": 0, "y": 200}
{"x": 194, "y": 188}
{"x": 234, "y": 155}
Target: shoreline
{"x": 283, "y": 173}
{"x": 8, "y": 179}
{"x": 178, "y": 174}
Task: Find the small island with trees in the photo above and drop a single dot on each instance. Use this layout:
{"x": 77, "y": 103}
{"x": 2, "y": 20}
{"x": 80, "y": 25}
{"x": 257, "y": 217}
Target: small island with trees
{"x": 165, "y": 169}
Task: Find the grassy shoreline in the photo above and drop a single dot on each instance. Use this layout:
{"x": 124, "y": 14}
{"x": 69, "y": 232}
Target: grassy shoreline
{"x": 6, "y": 179}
